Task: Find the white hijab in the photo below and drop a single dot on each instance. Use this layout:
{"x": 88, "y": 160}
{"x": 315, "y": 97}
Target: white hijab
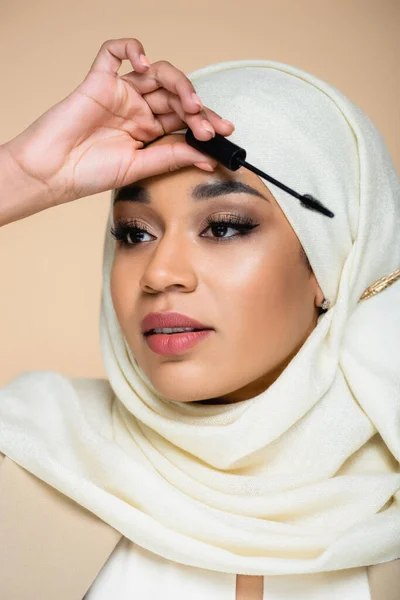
{"x": 305, "y": 477}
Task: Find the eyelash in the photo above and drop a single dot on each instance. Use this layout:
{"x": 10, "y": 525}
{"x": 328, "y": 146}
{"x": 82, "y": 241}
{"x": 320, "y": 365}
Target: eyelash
{"x": 124, "y": 227}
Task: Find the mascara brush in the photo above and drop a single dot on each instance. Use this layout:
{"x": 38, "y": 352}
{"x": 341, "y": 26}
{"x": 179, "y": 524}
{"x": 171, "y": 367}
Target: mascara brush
{"x": 233, "y": 157}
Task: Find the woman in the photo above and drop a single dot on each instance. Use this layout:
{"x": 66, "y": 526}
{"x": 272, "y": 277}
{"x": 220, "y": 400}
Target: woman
{"x": 258, "y": 457}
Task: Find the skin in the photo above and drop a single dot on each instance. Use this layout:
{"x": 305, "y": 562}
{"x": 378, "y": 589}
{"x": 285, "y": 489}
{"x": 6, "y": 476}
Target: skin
{"x": 256, "y": 291}
{"x": 93, "y": 140}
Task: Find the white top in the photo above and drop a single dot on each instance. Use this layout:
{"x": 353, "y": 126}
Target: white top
{"x": 133, "y": 573}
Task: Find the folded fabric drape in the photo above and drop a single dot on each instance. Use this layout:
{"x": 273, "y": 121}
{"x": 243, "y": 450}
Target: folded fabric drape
{"x": 304, "y": 477}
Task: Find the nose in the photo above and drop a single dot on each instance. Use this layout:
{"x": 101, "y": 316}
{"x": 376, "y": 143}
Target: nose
{"x": 169, "y": 266}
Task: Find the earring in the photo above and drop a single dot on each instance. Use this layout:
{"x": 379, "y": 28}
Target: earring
{"x": 326, "y": 304}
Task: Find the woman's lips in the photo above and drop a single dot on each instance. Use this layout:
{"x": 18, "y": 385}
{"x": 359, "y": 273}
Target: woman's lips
{"x": 175, "y": 343}
{"x": 161, "y": 320}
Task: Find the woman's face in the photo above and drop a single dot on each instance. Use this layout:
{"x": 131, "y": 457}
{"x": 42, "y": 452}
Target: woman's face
{"x": 255, "y": 290}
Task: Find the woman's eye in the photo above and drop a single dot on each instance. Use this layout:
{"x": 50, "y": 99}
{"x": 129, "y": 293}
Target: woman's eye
{"x": 135, "y": 235}
{"x": 220, "y": 226}
{"x": 129, "y": 233}
{"x": 132, "y": 234}
{"x": 219, "y": 229}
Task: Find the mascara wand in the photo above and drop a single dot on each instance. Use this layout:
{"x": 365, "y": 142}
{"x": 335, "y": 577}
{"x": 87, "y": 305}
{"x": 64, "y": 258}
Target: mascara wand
{"x": 233, "y": 157}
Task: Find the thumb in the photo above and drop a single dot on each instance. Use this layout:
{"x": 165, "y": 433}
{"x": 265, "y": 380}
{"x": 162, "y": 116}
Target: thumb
{"x": 164, "y": 158}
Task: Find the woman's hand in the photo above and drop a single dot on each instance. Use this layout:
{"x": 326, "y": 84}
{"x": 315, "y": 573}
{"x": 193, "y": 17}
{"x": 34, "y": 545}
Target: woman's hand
{"x": 93, "y": 140}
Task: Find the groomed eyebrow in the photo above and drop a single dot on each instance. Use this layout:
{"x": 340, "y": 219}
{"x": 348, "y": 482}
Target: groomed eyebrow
{"x": 202, "y": 191}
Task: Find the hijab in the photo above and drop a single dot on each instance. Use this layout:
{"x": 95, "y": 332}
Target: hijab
{"x": 305, "y": 476}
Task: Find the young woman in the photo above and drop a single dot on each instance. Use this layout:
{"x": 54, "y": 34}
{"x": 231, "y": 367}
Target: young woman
{"x": 246, "y": 441}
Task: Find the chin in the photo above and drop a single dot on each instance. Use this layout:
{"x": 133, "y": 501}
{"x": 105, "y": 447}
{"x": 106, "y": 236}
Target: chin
{"x": 191, "y": 380}
{"x": 186, "y": 386}
{"x": 181, "y": 393}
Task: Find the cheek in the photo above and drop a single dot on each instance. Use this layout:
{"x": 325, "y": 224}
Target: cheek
{"x": 260, "y": 294}
{"x": 268, "y": 307}
{"x": 262, "y": 278}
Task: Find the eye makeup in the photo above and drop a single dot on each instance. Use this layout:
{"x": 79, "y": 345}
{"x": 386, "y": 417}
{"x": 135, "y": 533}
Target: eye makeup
{"x": 132, "y": 228}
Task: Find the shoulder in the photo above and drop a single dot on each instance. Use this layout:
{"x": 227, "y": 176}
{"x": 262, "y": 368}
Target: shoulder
{"x": 28, "y": 382}
{"x": 53, "y": 387}
{"x": 49, "y": 401}
{"x": 35, "y": 385}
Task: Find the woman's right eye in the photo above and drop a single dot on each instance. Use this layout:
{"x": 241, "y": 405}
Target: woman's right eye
{"x": 128, "y": 233}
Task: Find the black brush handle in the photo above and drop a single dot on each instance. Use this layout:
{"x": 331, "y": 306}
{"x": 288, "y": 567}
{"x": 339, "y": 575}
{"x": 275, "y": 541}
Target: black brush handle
{"x": 219, "y": 147}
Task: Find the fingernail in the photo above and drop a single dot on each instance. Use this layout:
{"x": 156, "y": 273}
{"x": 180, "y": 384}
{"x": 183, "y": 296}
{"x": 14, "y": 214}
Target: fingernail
{"x": 204, "y": 166}
{"x": 144, "y": 60}
{"x": 228, "y": 123}
{"x": 208, "y": 127}
{"x": 197, "y": 100}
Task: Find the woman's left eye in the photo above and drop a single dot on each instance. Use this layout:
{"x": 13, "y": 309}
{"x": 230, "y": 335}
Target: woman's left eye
{"x": 242, "y": 224}
{"x": 127, "y": 231}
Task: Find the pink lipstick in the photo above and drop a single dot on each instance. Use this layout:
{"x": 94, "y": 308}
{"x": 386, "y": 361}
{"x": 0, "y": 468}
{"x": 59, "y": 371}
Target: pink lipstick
{"x": 158, "y": 330}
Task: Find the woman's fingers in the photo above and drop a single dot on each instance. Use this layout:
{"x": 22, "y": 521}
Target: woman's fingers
{"x": 221, "y": 125}
{"x": 113, "y": 52}
{"x": 162, "y": 74}
{"x": 162, "y": 98}
{"x": 170, "y": 122}
{"x": 176, "y": 82}
{"x": 163, "y": 102}
{"x": 204, "y": 124}
{"x": 163, "y": 158}
{"x": 165, "y": 88}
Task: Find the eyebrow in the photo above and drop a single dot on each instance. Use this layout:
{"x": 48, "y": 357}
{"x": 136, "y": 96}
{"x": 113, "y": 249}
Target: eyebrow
{"x": 202, "y": 191}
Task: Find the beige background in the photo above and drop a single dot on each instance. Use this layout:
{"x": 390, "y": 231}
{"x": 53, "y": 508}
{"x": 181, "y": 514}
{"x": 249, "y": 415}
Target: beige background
{"x": 50, "y": 263}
